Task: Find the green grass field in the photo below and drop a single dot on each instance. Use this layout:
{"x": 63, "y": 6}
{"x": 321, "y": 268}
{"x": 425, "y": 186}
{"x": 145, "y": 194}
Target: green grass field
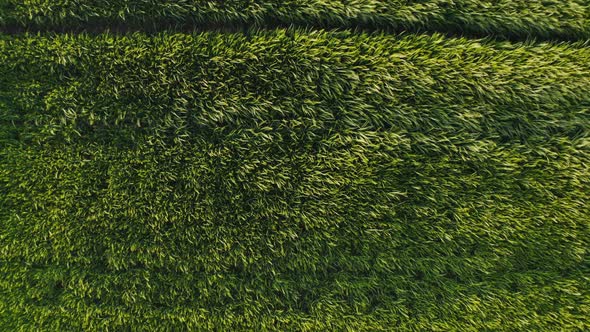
{"x": 545, "y": 19}
{"x": 295, "y": 179}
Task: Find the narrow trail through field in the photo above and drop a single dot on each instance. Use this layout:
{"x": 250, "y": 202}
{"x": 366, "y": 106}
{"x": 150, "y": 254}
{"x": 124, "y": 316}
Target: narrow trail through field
{"x": 154, "y": 28}
{"x": 513, "y": 20}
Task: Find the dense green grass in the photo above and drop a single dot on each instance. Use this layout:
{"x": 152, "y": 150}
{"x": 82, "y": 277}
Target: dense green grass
{"x": 293, "y": 180}
{"x": 554, "y": 19}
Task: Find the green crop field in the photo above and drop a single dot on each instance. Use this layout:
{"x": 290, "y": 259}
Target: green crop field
{"x": 552, "y": 19}
{"x": 399, "y": 171}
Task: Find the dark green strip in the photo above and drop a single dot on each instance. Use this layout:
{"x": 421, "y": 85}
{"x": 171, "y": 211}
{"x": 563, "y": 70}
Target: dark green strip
{"x": 506, "y": 19}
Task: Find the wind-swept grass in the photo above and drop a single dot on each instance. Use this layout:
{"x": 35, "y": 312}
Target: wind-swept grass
{"x": 514, "y": 19}
{"x": 293, "y": 180}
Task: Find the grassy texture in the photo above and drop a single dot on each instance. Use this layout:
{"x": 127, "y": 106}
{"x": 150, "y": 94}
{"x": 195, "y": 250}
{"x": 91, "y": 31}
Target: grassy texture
{"x": 293, "y": 180}
{"x": 555, "y": 19}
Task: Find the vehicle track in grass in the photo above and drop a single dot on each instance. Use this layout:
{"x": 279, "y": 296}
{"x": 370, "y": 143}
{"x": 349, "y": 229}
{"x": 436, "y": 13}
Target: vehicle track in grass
{"x": 167, "y": 27}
